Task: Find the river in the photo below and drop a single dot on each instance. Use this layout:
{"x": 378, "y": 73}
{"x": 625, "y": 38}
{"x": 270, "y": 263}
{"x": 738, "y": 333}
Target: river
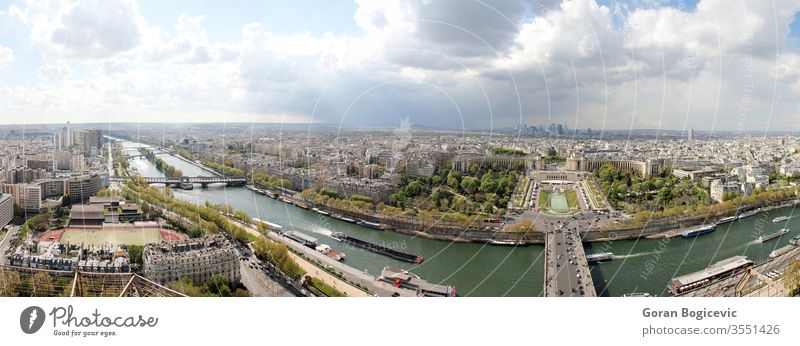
{"x": 645, "y": 265}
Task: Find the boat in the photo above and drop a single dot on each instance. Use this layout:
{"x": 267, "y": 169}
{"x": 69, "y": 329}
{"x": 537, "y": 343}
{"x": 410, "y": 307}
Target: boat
{"x": 749, "y": 214}
{"x": 781, "y": 251}
{"x": 714, "y": 272}
{"x": 302, "y": 205}
{"x": 373, "y": 225}
{"x": 637, "y": 294}
{"x": 301, "y": 238}
{"x": 377, "y": 248}
{"x": 780, "y": 219}
{"x": 347, "y": 219}
{"x": 698, "y": 231}
{"x": 322, "y": 212}
{"x": 769, "y": 237}
{"x": 328, "y": 251}
{"x": 401, "y": 278}
{"x": 507, "y": 242}
{"x": 795, "y": 241}
{"x": 600, "y": 257}
{"x": 273, "y": 226}
{"x": 726, "y": 220}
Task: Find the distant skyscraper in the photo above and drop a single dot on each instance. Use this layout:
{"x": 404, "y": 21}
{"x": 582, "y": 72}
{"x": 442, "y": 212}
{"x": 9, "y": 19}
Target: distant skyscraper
{"x": 690, "y": 136}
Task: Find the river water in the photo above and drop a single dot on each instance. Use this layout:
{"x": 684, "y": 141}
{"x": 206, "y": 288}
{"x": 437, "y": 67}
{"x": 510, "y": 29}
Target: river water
{"x": 644, "y": 265}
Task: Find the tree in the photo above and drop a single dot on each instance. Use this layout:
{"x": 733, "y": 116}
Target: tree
{"x": 42, "y": 285}
{"x": 9, "y": 281}
{"x": 470, "y": 184}
{"x": 413, "y": 189}
{"x": 135, "y": 254}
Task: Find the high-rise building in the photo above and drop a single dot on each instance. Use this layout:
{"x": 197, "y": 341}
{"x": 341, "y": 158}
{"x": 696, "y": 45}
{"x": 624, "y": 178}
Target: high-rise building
{"x": 88, "y": 141}
{"x": 690, "y": 135}
{"x": 82, "y": 187}
{"x": 6, "y": 209}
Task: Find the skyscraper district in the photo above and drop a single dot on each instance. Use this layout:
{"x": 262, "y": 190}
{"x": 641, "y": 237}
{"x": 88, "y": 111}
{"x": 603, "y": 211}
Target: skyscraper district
{"x": 555, "y": 171}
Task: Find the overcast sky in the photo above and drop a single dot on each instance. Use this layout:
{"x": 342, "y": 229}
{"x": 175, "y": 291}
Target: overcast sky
{"x": 708, "y": 65}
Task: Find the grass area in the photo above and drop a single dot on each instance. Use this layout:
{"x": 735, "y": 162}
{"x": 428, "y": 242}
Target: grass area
{"x": 544, "y": 199}
{"x": 326, "y": 289}
{"x": 519, "y": 200}
{"x": 250, "y": 237}
{"x": 118, "y": 237}
{"x": 572, "y": 199}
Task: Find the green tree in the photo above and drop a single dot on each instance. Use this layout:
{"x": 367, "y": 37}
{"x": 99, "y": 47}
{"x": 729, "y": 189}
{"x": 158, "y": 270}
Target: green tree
{"x": 135, "y": 254}
{"x": 470, "y": 184}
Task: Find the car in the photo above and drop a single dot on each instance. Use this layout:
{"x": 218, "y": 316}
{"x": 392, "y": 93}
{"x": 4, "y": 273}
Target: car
{"x": 396, "y": 294}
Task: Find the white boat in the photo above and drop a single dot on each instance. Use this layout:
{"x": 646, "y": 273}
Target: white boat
{"x": 600, "y": 257}
{"x": 781, "y": 251}
{"x": 749, "y": 213}
{"x": 322, "y": 212}
{"x": 780, "y": 219}
{"x": 795, "y": 240}
{"x": 328, "y": 251}
{"x": 726, "y": 220}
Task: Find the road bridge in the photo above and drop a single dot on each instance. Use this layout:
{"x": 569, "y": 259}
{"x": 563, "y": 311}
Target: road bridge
{"x": 566, "y": 271}
{"x": 188, "y": 182}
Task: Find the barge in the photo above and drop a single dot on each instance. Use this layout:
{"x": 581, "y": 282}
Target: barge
{"x": 301, "y": 238}
{"x": 713, "y": 272}
{"x": 769, "y": 237}
{"x": 377, "y": 248}
{"x": 373, "y": 225}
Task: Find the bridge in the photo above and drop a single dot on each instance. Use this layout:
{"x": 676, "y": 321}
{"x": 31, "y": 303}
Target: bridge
{"x": 188, "y": 182}
{"x": 566, "y": 270}
{"x": 137, "y": 156}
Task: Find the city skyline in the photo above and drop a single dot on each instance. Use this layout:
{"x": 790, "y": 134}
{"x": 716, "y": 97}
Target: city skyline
{"x": 471, "y": 65}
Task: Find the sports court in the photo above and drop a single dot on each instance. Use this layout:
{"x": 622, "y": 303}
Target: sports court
{"x": 112, "y": 236}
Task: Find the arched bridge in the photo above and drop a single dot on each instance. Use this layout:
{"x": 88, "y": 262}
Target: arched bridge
{"x": 188, "y": 182}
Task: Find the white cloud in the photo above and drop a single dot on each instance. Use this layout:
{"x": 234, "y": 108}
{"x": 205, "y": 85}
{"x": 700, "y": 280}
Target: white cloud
{"x": 6, "y": 55}
{"x": 444, "y": 63}
{"x": 55, "y": 72}
{"x": 19, "y": 14}
{"x": 87, "y": 30}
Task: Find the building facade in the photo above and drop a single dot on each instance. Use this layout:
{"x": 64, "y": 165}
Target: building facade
{"x": 6, "y": 209}
{"x": 199, "y": 259}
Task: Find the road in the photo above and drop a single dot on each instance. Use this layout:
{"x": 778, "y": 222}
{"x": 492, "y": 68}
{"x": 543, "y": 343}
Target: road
{"x": 566, "y": 269}
{"x": 256, "y": 279}
{"x": 380, "y": 288}
{"x": 5, "y": 243}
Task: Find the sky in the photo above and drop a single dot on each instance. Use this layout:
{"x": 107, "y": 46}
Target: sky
{"x": 710, "y": 65}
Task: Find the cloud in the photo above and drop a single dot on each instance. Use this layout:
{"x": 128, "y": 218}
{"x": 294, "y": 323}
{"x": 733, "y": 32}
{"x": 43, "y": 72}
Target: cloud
{"x": 55, "y": 73}
{"x": 87, "y": 30}
{"x": 476, "y": 64}
{"x": 16, "y": 12}
{"x": 6, "y": 55}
